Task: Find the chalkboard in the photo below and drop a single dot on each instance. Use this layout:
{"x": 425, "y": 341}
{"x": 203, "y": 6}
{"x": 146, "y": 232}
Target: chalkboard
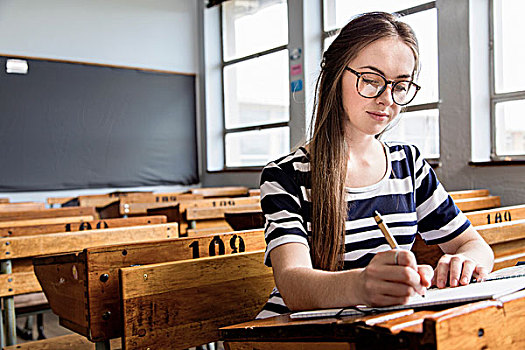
{"x": 66, "y": 125}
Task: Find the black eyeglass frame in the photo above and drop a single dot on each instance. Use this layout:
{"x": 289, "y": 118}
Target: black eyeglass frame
{"x": 387, "y": 82}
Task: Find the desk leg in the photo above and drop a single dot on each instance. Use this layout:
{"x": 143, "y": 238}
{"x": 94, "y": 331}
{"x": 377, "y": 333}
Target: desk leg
{"x": 2, "y": 329}
{"x": 102, "y": 345}
{"x": 9, "y": 308}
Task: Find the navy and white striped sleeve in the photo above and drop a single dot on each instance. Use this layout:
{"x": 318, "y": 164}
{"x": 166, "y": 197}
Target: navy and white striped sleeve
{"x": 439, "y": 219}
{"x": 281, "y": 205}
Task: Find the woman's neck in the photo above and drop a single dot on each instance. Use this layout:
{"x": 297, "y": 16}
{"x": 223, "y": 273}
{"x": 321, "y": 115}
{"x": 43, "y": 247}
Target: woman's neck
{"x": 363, "y": 147}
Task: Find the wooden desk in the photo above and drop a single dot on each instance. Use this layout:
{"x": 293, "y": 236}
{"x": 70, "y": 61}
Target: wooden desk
{"x": 16, "y": 248}
{"x": 491, "y": 324}
{"x": 181, "y": 304}
{"x": 87, "y": 300}
{"x": 178, "y": 212}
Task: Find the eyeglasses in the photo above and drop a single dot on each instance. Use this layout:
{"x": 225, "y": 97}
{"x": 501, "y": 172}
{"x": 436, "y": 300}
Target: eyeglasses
{"x": 371, "y": 85}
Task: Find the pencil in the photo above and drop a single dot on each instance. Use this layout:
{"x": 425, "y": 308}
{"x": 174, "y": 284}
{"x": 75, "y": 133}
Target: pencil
{"x": 389, "y": 238}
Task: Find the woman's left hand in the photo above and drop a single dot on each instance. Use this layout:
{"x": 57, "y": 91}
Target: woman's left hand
{"x": 458, "y": 269}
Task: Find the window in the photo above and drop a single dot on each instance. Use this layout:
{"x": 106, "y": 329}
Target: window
{"x": 419, "y": 124}
{"x": 508, "y": 81}
{"x": 255, "y": 81}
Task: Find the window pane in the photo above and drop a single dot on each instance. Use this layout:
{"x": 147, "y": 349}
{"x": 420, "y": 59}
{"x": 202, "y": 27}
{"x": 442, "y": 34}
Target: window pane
{"x": 509, "y": 52}
{"x": 339, "y": 12}
{"x": 251, "y": 26}
{"x": 425, "y": 26}
{"x": 257, "y": 147}
{"x": 420, "y": 128}
{"x": 510, "y": 128}
{"x": 256, "y": 91}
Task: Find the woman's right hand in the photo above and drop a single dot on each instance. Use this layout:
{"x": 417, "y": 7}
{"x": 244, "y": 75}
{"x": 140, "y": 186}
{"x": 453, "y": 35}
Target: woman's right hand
{"x": 383, "y": 282}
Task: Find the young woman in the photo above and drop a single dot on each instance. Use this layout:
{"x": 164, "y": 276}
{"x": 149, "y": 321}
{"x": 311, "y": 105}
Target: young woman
{"x": 323, "y": 243}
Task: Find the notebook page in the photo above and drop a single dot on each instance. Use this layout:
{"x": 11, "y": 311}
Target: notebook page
{"x": 472, "y": 292}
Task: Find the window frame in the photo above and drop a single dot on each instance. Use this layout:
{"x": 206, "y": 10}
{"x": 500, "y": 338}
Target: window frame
{"x": 495, "y": 97}
{"x": 404, "y": 12}
{"x": 226, "y": 131}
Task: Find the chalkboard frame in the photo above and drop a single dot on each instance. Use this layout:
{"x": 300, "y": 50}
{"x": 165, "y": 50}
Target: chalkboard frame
{"x": 77, "y": 125}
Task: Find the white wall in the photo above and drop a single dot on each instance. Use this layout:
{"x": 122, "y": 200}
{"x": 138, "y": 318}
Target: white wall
{"x": 156, "y": 34}
{"x": 160, "y": 34}
{"x": 462, "y": 107}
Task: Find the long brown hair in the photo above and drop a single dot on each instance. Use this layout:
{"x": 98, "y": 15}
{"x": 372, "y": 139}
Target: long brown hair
{"x": 327, "y": 146}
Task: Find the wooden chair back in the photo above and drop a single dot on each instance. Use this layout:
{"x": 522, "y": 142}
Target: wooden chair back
{"x": 225, "y": 191}
{"x": 22, "y": 206}
{"x": 45, "y": 221}
{"x": 31, "y": 230}
{"x": 495, "y": 215}
{"x": 95, "y": 200}
{"x": 47, "y": 213}
{"x": 139, "y": 203}
{"x": 56, "y": 243}
{"x": 161, "y": 197}
{"x": 177, "y": 305}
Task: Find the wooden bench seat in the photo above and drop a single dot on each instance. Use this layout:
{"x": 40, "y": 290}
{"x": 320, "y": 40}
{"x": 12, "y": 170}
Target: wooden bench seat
{"x": 89, "y": 303}
{"x": 478, "y": 203}
{"x": 469, "y": 194}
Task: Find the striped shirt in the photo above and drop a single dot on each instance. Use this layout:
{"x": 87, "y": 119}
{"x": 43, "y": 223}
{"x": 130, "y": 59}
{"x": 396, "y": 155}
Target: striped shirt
{"x": 409, "y": 197}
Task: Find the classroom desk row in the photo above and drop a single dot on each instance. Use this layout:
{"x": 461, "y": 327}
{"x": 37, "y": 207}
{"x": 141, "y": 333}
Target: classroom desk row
{"x": 30, "y": 230}
{"x": 142, "y": 303}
